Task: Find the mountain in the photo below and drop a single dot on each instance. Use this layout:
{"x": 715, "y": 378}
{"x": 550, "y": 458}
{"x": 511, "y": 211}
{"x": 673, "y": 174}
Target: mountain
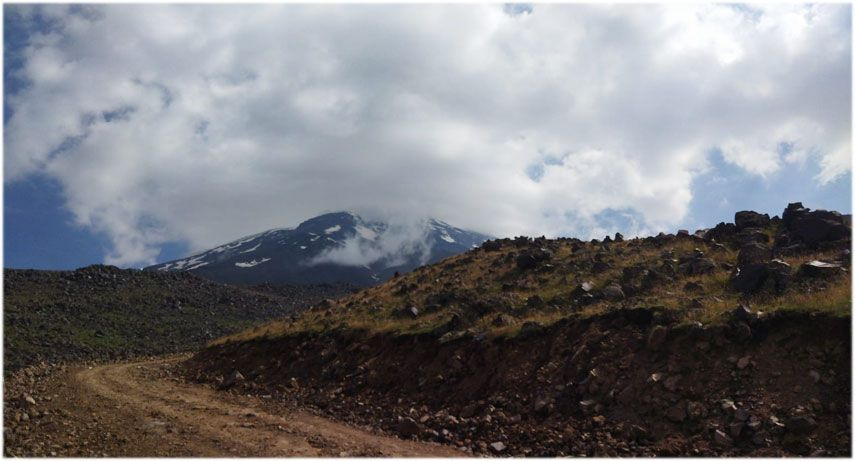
{"x": 331, "y": 248}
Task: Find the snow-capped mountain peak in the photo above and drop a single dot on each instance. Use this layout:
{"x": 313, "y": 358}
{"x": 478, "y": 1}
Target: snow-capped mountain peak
{"x": 333, "y": 247}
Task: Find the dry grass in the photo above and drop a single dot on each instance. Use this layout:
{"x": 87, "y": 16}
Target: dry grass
{"x": 483, "y": 274}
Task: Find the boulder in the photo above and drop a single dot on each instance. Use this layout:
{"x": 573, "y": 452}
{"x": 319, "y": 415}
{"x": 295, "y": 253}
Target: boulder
{"x": 815, "y": 227}
{"x": 753, "y": 253}
{"x": 702, "y": 266}
{"x": 793, "y": 211}
{"x": 750, "y": 278}
{"x": 532, "y": 257}
{"x": 751, "y": 234}
{"x": 780, "y": 272}
{"x": 746, "y": 219}
{"x": 721, "y": 232}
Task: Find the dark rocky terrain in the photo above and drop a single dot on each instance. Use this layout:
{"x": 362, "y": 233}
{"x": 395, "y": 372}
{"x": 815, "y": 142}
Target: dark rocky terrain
{"x": 332, "y": 248}
{"x": 102, "y": 312}
{"x": 734, "y": 340}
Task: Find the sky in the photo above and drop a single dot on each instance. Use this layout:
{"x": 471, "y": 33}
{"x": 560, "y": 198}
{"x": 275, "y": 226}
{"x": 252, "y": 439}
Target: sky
{"x": 135, "y": 134}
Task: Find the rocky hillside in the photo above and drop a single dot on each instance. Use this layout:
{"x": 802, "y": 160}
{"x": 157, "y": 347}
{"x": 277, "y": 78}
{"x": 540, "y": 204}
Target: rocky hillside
{"x": 734, "y": 340}
{"x": 332, "y": 248}
{"x": 102, "y": 312}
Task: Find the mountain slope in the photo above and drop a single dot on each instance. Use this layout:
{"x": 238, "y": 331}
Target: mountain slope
{"x": 334, "y": 247}
{"x": 102, "y": 312}
{"x": 734, "y": 341}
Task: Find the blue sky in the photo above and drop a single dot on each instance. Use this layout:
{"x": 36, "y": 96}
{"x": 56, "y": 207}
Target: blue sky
{"x": 175, "y": 136}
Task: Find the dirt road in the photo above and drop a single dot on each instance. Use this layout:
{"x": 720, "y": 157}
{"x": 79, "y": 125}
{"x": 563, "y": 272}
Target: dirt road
{"x": 145, "y": 409}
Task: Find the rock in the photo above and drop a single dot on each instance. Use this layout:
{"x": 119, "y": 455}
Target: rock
{"x": 815, "y": 227}
{"x": 821, "y": 269}
{"x": 541, "y": 405}
{"x": 753, "y": 253}
{"x": 532, "y": 257}
{"x": 750, "y": 278}
{"x": 498, "y": 447}
{"x": 702, "y": 266}
{"x": 676, "y": 413}
{"x": 529, "y": 329}
{"x": 598, "y": 420}
{"x": 736, "y": 428}
{"x": 741, "y": 414}
{"x": 721, "y": 438}
{"x": 671, "y": 383}
{"x": 815, "y": 376}
{"x": 743, "y": 362}
{"x": 742, "y": 314}
{"x": 742, "y": 332}
{"x": 751, "y": 235}
{"x": 746, "y": 219}
{"x": 693, "y": 287}
{"x": 587, "y": 406}
{"x": 657, "y": 336}
{"x": 534, "y": 302}
{"x": 234, "y": 378}
{"x": 408, "y": 427}
{"x": 801, "y": 424}
{"x": 29, "y": 400}
{"x": 613, "y": 292}
{"x": 792, "y": 211}
{"x": 695, "y": 410}
{"x": 618, "y": 237}
{"x": 779, "y": 271}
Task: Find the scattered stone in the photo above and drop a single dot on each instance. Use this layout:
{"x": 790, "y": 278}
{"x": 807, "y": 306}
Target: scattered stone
{"x": 721, "y": 438}
{"x": 821, "y": 269}
{"x": 743, "y": 362}
{"x": 498, "y": 447}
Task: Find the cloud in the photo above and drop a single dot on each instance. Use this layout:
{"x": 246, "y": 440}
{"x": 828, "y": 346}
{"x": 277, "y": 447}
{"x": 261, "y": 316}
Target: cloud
{"x": 200, "y": 124}
{"x": 392, "y": 245}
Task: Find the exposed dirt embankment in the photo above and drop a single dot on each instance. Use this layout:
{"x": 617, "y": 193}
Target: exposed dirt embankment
{"x": 626, "y": 382}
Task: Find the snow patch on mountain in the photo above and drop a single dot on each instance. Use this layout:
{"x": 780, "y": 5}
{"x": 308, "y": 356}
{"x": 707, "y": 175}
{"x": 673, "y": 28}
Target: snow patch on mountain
{"x": 252, "y": 263}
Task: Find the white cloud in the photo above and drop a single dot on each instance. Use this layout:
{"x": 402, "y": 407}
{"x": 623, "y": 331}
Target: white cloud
{"x": 204, "y": 123}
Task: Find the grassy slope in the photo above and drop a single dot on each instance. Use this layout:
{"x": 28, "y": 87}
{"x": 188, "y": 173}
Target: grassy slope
{"x": 493, "y": 278}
